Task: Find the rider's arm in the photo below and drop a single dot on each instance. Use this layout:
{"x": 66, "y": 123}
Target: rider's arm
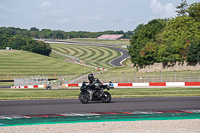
{"x": 98, "y": 81}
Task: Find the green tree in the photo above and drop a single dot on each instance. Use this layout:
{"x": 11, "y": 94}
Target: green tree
{"x": 34, "y": 29}
{"x": 175, "y": 34}
{"x": 193, "y": 51}
{"x": 194, "y": 11}
{"x": 182, "y": 8}
{"x": 144, "y": 37}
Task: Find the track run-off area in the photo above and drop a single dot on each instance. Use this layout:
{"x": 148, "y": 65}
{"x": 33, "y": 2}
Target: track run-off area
{"x": 30, "y": 112}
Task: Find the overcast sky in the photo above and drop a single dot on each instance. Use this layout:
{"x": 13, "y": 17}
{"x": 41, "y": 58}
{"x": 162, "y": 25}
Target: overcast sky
{"x": 84, "y": 15}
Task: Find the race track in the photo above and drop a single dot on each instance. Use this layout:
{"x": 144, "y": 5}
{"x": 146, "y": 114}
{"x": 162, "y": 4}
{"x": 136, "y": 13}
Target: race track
{"x": 29, "y": 107}
{"x": 115, "y": 62}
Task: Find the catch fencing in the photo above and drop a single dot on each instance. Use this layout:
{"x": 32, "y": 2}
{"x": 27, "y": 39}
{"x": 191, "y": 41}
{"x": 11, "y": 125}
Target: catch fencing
{"x": 115, "y": 77}
{"x": 134, "y": 77}
{"x": 32, "y": 80}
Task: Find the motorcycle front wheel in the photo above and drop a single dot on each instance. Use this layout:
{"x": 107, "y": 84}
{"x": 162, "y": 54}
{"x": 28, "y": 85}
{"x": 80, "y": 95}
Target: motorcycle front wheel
{"x": 106, "y": 97}
{"x": 84, "y": 97}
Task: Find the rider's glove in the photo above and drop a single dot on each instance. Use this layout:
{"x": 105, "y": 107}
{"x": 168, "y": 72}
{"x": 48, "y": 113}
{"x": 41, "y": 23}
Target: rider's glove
{"x": 108, "y": 87}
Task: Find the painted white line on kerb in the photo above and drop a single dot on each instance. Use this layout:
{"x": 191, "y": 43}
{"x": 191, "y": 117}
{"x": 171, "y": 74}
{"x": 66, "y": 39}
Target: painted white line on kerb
{"x": 115, "y": 59}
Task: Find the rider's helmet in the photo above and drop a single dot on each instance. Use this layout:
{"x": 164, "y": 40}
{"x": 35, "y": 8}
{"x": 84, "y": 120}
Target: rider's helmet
{"x": 91, "y": 77}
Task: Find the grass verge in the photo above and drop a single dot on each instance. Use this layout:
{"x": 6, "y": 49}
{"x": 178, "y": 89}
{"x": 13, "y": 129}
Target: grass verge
{"x": 22, "y": 94}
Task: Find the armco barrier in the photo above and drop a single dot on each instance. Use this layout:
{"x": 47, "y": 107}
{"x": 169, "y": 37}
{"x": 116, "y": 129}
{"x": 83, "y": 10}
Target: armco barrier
{"x": 167, "y": 84}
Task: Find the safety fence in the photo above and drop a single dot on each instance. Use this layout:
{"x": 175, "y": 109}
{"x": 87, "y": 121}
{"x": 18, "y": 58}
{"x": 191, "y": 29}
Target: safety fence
{"x": 115, "y": 77}
{"x": 32, "y": 80}
{"x": 53, "y": 79}
{"x": 134, "y": 77}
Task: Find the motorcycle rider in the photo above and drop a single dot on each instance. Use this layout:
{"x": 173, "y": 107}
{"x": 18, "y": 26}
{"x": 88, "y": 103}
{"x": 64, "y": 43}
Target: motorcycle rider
{"x": 95, "y": 85}
{"x": 94, "y": 82}
{"x": 94, "y": 90}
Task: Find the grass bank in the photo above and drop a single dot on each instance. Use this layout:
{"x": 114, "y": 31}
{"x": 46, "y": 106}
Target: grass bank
{"x": 16, "y": 63}
{"x": 91, "y": 55}
{"x": 19, "y": 94}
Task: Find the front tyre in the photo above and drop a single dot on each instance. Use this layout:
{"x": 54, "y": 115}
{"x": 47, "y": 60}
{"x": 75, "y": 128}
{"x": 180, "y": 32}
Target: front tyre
{"x": 106, "y": 97}
{"x": 83, "y": 97}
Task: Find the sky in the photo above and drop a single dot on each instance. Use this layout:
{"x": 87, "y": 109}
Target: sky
{"x": 84, "y": 15}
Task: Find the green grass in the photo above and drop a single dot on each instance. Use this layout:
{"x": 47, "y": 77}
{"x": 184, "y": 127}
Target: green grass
{"x": 18, "y": 94}
{"x": 127, "y": 62}
{"x": 9, "y": 94}
{"x": 91, "y": 55}
{"x": 6, "y": 84}
{"x": 156, "y": 92}
{"x": 22, "y": 62}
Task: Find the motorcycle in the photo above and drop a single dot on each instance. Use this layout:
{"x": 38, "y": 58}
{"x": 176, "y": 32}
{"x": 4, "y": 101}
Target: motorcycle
{"x": 96, "y": 93}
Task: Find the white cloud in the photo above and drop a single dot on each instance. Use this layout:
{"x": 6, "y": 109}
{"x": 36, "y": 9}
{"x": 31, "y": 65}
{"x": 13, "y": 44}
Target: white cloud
{"x": 46, "y": 4}
{"x": 129, "y": 20}
{"x": 2, "y": 16}
{"x": 167, "y": 10}
{"x": 1, "y": 7}
{"x": 97, "y": 18}
{"x": 64, "y": 20}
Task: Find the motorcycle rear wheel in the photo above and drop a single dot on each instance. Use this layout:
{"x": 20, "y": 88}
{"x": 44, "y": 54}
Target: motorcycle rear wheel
{"x": 84, "y": 97}
{"x": 106, "y": 98}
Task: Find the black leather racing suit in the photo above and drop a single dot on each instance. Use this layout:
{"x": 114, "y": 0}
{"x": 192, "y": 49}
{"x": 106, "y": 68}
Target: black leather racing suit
{"x": 95, "y": 84}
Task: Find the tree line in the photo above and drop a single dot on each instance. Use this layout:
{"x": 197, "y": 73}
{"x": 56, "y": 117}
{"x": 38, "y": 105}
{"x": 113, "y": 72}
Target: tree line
{"x": 168, "y": 40}
{"x": 58, "y": 34}
{"x": 22, "y": 39}
{"x": 20, "y": 42}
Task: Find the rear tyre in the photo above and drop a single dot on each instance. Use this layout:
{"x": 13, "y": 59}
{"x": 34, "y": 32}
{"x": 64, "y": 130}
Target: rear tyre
{"x": 83, "y": 97}
{"x": 106, "y": 97}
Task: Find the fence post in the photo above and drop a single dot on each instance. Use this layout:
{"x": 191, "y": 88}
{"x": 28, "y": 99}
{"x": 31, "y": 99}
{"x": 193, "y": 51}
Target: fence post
{"x": 36, "y": 80}
{"x": 135, "y": 77}
{"x": 47, "y": 79}
{"x": 147, "y": 76}
{"x": 60, "y": 79}
{"x": 175, "y": 74}
{"x": 43, "y": 79}
{"x": 123, "y": 76}
{"x": 160, "y": 75}
{"x": 66, "y": 79}
{"x": 39, "y": 79}
{"x": 189, "y": 75}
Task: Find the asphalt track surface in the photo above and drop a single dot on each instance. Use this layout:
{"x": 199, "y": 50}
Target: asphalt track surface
{"x": 30, "y": 107}
{"x": 118, "y": 61}
{"x": 115, "y": 62}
